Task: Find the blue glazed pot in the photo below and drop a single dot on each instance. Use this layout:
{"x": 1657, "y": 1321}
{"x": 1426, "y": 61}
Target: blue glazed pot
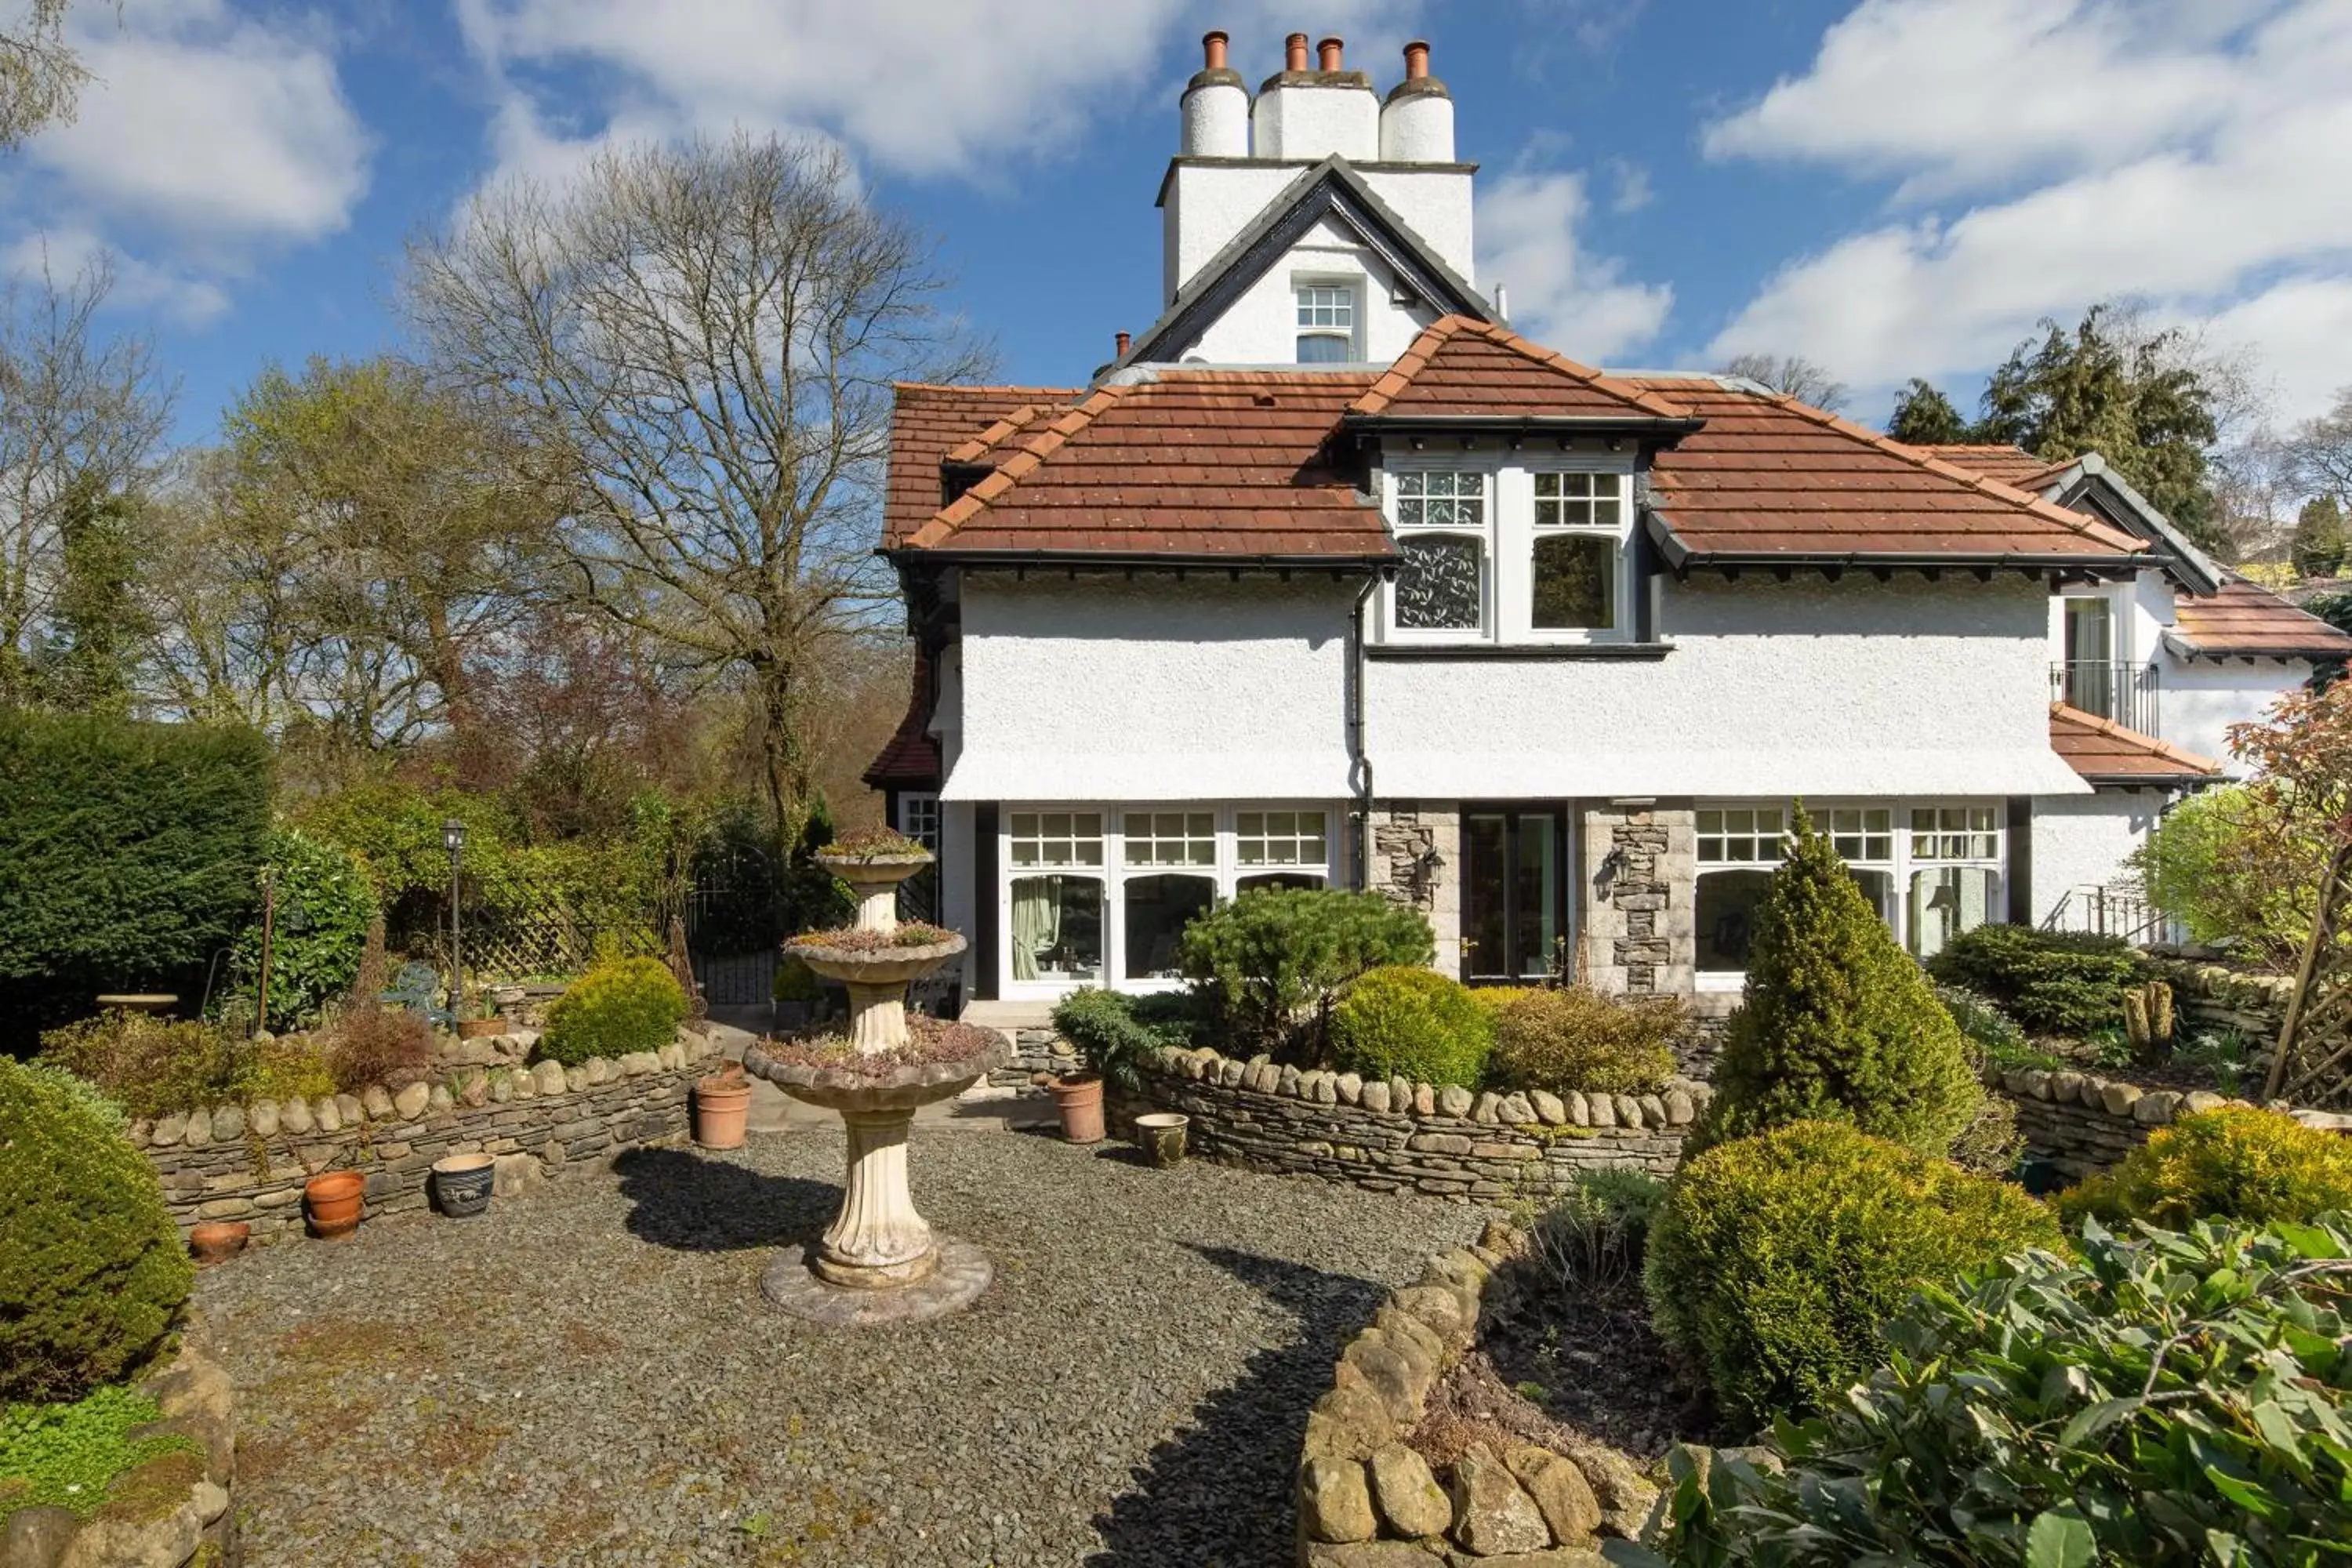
{"x": 461, "y": 1184}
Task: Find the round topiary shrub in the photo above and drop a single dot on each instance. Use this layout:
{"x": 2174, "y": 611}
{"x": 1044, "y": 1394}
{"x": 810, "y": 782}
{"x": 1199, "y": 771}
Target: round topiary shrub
{"x": 1406, "y": 1022}
{"x": 1574, "y": 1037}
{"x": 1774, "y": 1259}
{"x": 629, "y": 1005}
{"x": 93, "y": 1274}
{"x": 2236, "y": 1163}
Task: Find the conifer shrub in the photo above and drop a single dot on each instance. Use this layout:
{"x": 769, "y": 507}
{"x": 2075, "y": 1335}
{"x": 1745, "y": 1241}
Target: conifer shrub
{"x": 1838, "y": 1024}
{"x": 1114, "y": 1032}
{"x": 1574, "y": 1037}
{"x": 624, "y": 1006}
{"x": 2052, "y": 981}
{"x": 1774, "y": 1260}
{"x": 1401, "y": 1021}
{"x": 2236, "y": 1163}
{"x": 93, "y": 1274}
{"x": 1270, "y": 960}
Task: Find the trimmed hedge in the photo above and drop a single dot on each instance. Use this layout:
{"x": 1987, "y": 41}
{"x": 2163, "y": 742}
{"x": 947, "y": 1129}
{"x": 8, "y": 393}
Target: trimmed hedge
{"x": 630, "y": 1005}
{"x": 2236, "y": 1163}
{"x": 1575, "y": 1037}
{"x": 1405, "y": 1022}
{"x": 93, "y": 1274}
{"x": 1774, "y": 1260}
{"x": 2054, "y": 983}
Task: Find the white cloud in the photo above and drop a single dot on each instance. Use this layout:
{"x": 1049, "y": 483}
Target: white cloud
{"x": 2184, "y": 160}
{"x": 183, "y": 297}
{"x": 1529, "y": 227}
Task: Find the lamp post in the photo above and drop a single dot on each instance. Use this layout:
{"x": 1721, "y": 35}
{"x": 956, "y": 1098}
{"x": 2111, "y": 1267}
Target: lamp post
{"x": 453, "y": 839}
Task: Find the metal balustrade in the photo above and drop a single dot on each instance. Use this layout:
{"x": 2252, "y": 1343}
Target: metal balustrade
{"x": 2126, "y": 693}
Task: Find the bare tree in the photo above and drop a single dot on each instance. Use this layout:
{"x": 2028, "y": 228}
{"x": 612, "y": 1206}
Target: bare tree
{"x": 2319, "y": 454}
{"x": 701, "y": 341}
{"x": 39, "y": 74}
{"x": 1792, "y": 374}
{"x": 81, "y": 419}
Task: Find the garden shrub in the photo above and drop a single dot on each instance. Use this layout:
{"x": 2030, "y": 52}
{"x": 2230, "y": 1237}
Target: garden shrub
{"x": 1574, "y": 1037}
{"x": 93, "y": 1274}
{"x": 368, "y": 1044}
{"x": 627, "y": 1004}
{"x": 2236, "y": 1163}
{"x": 1276, "y": 953}
{"x": 2022, "y": 1418}
{"x": 1774, "y": 1260}
{"x": 2234, "y": 866}
{"x": 1594, "y": 1234}
{"x": 1114, "y": 1032}
{"x": 131, "y": 851}
{"x": 156, "y": 1065}
{"x": 322, "y": 909}
{"x": 2054, "y": 983}
{"x": 1400, "y": 1021}
{"x": 1837, "y": 1022}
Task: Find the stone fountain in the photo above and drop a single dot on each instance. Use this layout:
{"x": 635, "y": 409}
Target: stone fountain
{"x": 880, "y": 1261}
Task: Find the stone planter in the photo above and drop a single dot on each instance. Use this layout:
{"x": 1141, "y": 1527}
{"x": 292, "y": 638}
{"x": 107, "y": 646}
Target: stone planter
{"x": 462, "y": 1182}
{"x": 1160, "y": 1134}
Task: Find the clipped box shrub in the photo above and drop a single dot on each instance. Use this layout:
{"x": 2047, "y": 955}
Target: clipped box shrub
{"x": 2022, "y": 1418}
{"x": 1271, "y": 959}
{"x": 1574, "y": 1037}
{"x": 1774, "y": 1259}
{"x": 1401, "y": 1021}
{"x": 93, "y": 1274}
{"x": 2054, "y": 983}
{"x": 625, "y": 1005}
{"x": 2236, "y": 1163}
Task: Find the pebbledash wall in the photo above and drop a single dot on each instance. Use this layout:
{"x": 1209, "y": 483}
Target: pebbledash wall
{"x": 246, "y": 1162}
{"x": 1396, "y": 1135}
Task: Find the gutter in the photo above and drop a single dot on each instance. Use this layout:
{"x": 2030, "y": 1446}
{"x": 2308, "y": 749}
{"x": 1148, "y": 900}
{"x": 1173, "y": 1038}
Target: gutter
{"x": 1146, "y": 560}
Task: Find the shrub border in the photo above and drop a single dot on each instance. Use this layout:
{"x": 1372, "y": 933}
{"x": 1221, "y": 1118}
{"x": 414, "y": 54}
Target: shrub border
{"x": 2080, "y": 1123}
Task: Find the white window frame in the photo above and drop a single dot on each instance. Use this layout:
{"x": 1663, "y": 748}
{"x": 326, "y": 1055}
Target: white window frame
{"x": 1392, "y": 479}
{"x": 918, "y": 817}
{"x": 1898, "y": 864}
{"x": 1350, "y": 291}
{"x": 1620, "y": 534}
{"x": 1507, "y": 546}
{"x": 1114, "y": 873}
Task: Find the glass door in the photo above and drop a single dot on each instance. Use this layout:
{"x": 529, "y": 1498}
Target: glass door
{"x": 1514, "y": 892}
{"x": 2090, "y": 656}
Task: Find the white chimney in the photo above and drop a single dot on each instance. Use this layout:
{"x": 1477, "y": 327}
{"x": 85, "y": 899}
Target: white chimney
{"x": 1302, "y": 115}
{"x": 1216, "y": 107}
{"x": 1417, "y": 122}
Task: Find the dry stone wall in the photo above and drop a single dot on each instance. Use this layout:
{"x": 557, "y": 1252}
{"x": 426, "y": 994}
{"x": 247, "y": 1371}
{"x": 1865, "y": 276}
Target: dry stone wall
{"x": 1397, "y": 1135}
{"x": 2079, "y": 1123}
{"x": 247, "y": 1162}
{"x": 2218, "y": 997}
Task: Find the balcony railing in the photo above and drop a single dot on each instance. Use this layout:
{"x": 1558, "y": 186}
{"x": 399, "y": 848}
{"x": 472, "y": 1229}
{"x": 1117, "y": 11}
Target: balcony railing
{"x": 2119, "y": 910}
{"x": 2123, "y": 692}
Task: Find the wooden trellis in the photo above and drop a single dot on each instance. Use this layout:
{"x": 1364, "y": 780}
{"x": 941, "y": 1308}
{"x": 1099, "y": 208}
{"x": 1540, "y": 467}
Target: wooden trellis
{"x": 2313, "y": 1062}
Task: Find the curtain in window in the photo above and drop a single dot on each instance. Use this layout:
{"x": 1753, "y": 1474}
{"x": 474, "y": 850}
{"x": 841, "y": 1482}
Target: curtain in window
{"x": 1036, "y": 922}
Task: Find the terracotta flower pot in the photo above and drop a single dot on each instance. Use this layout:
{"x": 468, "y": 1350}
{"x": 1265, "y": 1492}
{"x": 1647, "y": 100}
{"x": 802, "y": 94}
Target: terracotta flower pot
{"x": 1080, "y": 1101}
{"x": 723, "y": 1108}
{"x": 218, "y": 1241}
{"x": 1162, "y": 1134}
{"x": 335, "y": 1200}
{"x": 477, "y": 1028}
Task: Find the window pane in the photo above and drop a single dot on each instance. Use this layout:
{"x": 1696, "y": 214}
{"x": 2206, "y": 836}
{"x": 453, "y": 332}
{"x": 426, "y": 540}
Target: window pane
{"x": 1056, "y": 839}
{"x": 1439, "y": 585}
{"x": 1727, "y": 902}
{"x": 1324, "y": 348}
{"x": 1947, "y": 902}
{"x": 1057, "y": 929}
{"x": 1536, "y": 900}
{"x": 1510, "y": 890}
{"x": 1485, "y": 953}
{"x": 1575, "y": 582}
{"x": 1279, "y": 839}
{"x": 1878, "y": 887}
{"x": 1158, "y": 909}
{"x": 1289, "y": 879}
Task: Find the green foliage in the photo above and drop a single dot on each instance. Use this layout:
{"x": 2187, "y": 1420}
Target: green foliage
{"x": 1991, "y": 1143}
{"x": 2235, "y": 1163}
{"x": 323, "y": 906}
{"x": 93, "y": 1274}
{"x": 2236, "y": 866}
{"x": 63, "y": 1455}
{"x": 1574, "y": 1037}
{"x": 1401, "y": 1021}
{"x": 2320, "y": 542}
{"x": 1774, "y": 1259}
{"x": 630, "y": 1005}
{"x": 127, "y": 856}
{"x": 1274, "y": 954}
{"x": 1991, "y": 1032}
{"x": 97, "y": 623}
{"x": 1114, "y": 1033}
{"x": 1925, "y": 417}
{"x": 1837, "y": 1022}
{"x": 368, "y": 1044}
{"x": 2056, "y": 983}
{"x": 2173, "y": 1401}
{"x": 154, "y": 1066}
{"x": 1594, "y": 1234}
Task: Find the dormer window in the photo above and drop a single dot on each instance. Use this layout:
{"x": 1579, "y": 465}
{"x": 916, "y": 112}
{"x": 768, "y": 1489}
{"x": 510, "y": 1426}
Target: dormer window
{"x": 1574, "y": 559}
{"x": 1326, "y": 323}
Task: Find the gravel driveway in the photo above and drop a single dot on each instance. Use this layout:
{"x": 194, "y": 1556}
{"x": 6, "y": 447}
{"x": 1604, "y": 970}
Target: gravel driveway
{"x": 589, "y": 1373}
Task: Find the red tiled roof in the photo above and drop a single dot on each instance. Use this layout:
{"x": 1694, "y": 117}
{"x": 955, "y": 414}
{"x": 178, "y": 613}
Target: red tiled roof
{"x": 910, "y": 758}
{"x": 1192, "y": 462}
{"x": 2012, "y": 466}
{"x": 1459, "y": 367}
{"x": 926, "y": 423}
{"x": 2245, "y": 619}
{"x": 2103, "y": 752}
{"x": 1770, "y": 475}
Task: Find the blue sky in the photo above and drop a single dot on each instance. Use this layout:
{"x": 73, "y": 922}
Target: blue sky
{"x": 1890, "y": 187}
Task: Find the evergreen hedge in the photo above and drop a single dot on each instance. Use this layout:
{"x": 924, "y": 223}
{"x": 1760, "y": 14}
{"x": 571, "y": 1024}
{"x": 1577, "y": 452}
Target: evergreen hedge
{"x": 129, "y": 856}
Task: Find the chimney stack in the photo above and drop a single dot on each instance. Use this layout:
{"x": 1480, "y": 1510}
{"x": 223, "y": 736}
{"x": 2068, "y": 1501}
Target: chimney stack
{"x": 1417, "y": 120}
{"x": 1294, "y": 52}
{"x": 1123, "y": 340}
{"x": 1330, "y": 49}
{"x": 1216, "y": 107}
{"x": 1212, "y": 51}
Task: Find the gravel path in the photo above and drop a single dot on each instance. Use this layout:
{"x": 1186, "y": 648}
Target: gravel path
{"x": 589, "y": 1375}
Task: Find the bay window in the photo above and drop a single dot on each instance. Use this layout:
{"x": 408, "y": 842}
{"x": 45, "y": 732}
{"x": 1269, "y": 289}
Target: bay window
{"x": 1507, "y": 553}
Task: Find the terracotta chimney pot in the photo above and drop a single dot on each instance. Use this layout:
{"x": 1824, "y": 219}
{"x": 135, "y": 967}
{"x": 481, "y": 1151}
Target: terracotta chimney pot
{"x": 1212, "y": 50}
{"x": 1416, "y": 60}
{"x": 1330, "y": 49}
{"x": 1124, "y": 339}
{"x": 1294, "y": 52}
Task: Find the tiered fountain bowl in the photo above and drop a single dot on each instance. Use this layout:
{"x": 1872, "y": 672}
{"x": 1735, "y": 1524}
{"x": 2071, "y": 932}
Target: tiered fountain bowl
{"x": 880, "y": 1261}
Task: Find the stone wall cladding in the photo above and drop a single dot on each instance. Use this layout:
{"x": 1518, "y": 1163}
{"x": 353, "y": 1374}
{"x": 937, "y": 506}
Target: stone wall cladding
{"x": 1416, "y": 860}
{"x": 2081, "y": 1123}
{"x": 1396, "y": 1136}
{"x": 1366, "y": 1500}
{"x": 1639, "y": 887}
{"x": 246, "y": 1162}
{"x": 2218, "y": 997}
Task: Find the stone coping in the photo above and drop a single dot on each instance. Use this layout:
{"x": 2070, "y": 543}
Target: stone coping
{"x": 1678, "y": 1106}
{"x": 1367, "y": 1499}
{"x": 2079, "y": 1123}
{"x": 175, "y": 1509}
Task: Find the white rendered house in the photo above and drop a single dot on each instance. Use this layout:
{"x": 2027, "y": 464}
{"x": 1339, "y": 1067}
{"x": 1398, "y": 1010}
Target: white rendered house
{"x": 1331, "y": 578}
